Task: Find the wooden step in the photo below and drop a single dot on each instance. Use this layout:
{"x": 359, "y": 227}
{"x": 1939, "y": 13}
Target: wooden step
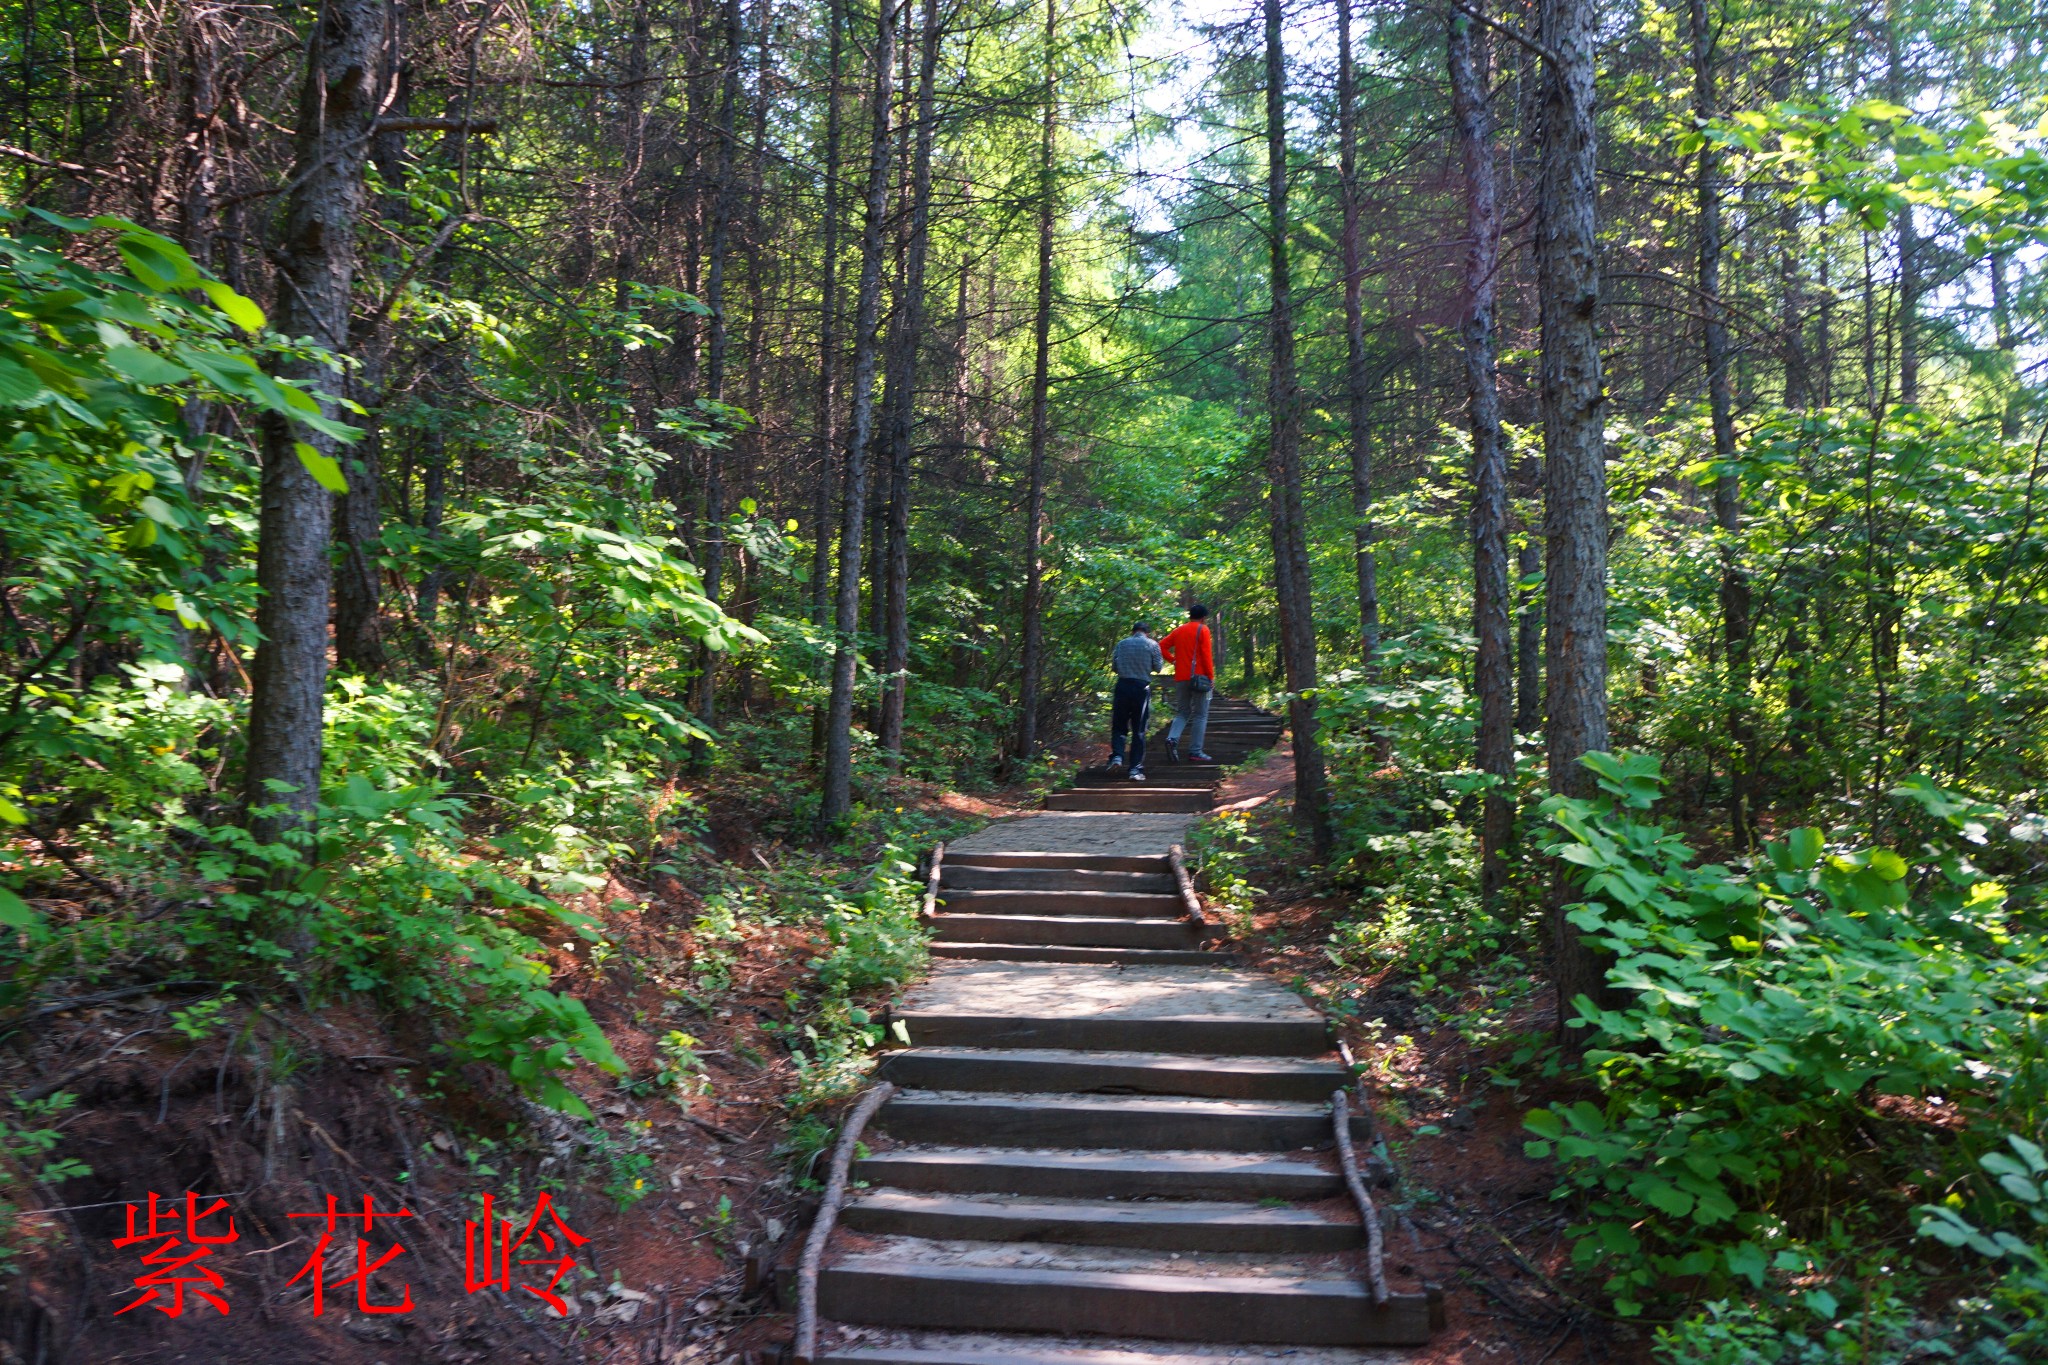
{"x": 1021, "y": 1070}
{"x": 1140, "y": 1123}
{"x": 1069, "y": 930}
{"x": 1156, "y": 1226}
{"x": 1033, "y": 901}
{"x": 1074, "y": 952}
{"x": 1169, "y": 772}
{"x": 1217, "y": 1034}
{"x": 956, "y": 877}
{"x": 1111, "y": 1174}
{"x": 1102, "y": 862}
{"x": 1133, "y": 796}
{"x": 904, "y": 1347}
{"x": 1166, "y": 1303}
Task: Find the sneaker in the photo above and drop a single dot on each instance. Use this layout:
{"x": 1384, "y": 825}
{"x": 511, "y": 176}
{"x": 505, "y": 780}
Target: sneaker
{"x": 1137, "y": 774}
{"x": 1200, "y": 758}
{"x": 1115, "y": 761}
{"x": 1173, "y": 751}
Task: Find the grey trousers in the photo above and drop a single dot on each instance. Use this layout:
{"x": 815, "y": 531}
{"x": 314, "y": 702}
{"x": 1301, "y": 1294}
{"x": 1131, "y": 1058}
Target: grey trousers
{"x": 1190, "y": 715}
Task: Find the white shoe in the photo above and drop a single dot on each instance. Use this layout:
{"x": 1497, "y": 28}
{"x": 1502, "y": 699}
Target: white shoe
{"x": 1115, "y": 761}
{"x": 1137, "y": 774}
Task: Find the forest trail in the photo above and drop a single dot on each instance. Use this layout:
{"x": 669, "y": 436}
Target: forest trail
{"x": 1112, "y": 1144}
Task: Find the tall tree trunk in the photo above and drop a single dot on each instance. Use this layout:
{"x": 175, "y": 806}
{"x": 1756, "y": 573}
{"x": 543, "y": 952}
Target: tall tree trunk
{"x": 2008, "y": 343}
{"x": 316, "y": 262}
{"x": 1493, "y": 668}
{"x": 358, "y": 513}
{"x": 901, "y": 392}
{"x": 836, "y": 794}
{"x": 1907, "y": 240}
{"x": 1721, "y": 409}
{"x": 1283, "y": 465}
{"x": 828, "y": 357}
{"x": 1032, "y": 645}
{"x": 715, "y": 352}
{"x": 1356, "y": 383}
{"x": 1574, "y": 442}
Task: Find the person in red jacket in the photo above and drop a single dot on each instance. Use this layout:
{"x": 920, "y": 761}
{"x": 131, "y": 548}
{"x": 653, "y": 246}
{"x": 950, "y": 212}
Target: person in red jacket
{"x": 1188, "y": 648}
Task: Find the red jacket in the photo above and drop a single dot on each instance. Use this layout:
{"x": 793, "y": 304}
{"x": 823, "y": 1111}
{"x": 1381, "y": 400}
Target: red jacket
{"x": 1188, "y": 646}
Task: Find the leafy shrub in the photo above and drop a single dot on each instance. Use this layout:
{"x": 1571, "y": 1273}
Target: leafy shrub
{"x": 1421, "y": 909}
{"x": 876, "y": 938}
{"x": 390, "y": 902}
{"x": 1761, "y": 1015}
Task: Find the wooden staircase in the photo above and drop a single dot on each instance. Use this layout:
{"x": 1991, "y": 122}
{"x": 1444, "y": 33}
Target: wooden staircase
{"x": 1237, "y": 730}
{"x": 1109, "y": 1145}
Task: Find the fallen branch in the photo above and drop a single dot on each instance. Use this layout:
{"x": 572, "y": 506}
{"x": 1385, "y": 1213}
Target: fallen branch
{"x": 1190, "y": 902}
{"x": 931, "y": 882}
{"x": 1375, "y": 1242}
{"x": 436, "y": 125}
{"x": 828, "y": 1213}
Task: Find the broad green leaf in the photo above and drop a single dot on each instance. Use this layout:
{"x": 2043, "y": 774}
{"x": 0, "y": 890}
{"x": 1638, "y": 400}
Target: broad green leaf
{"x": 157, "y": 261}
{"x": 324, "y": 470}
{"x": 145, "y": 367}
{"x": 15, "y": 912}
{"x": 19, "y": 385}
{"x": 240, "y": 309}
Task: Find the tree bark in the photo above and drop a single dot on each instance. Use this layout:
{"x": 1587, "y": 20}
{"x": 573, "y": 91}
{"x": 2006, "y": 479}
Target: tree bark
{"x": 828, "y": 357}
{"x": 316, "y": 262}
{"x": 2008, "y": 343}
{"x": 836, "y": 794}
{"x": 1358, "y": 388}
{"x": 1493, "y": 667}
{"x": 358, "y": 513}
{"x": 1574, "y": 441}
{"x": 715, "y": 352}
{"x": 1032, "y": 643}
{"x": 1735, "y": 626}
{"x": 1907, "y": 239}
{"x": 901, "y": 392}
{"x": 1283, "y": 465}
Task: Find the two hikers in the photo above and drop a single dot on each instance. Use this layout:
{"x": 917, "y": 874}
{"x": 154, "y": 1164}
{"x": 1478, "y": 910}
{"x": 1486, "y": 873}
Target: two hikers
{"x": 1135, "y": 659}
{"x": 1194, "y": 669}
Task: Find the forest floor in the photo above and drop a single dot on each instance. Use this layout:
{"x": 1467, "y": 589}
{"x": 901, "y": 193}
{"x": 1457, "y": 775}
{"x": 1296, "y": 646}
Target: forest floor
{"x": 277, "y": 1112}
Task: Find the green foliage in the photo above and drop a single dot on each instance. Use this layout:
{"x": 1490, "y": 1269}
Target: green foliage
{"x": 27, "y": 1140}
{"x": 1424, "y": 913}
{"x": 1757, "y": 1019}
{"x": 876, "y": 945}
{"x": 1220, "y": 849}
{"x": 877, "y": 942}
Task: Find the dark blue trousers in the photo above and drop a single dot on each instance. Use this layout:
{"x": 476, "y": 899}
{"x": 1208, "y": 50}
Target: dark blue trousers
{"x": 1130, "y": 709}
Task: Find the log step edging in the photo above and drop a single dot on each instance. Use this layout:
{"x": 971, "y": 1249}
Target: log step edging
{"x": 1218, "y": 1035}
{"x": 1251, "y": 1309}
{"x": 1159, "y": 1226}
{"x": 1136, "y": 1122}
{"x": 1101, "y": 1174}
{"x": 1083, "y": 1072}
